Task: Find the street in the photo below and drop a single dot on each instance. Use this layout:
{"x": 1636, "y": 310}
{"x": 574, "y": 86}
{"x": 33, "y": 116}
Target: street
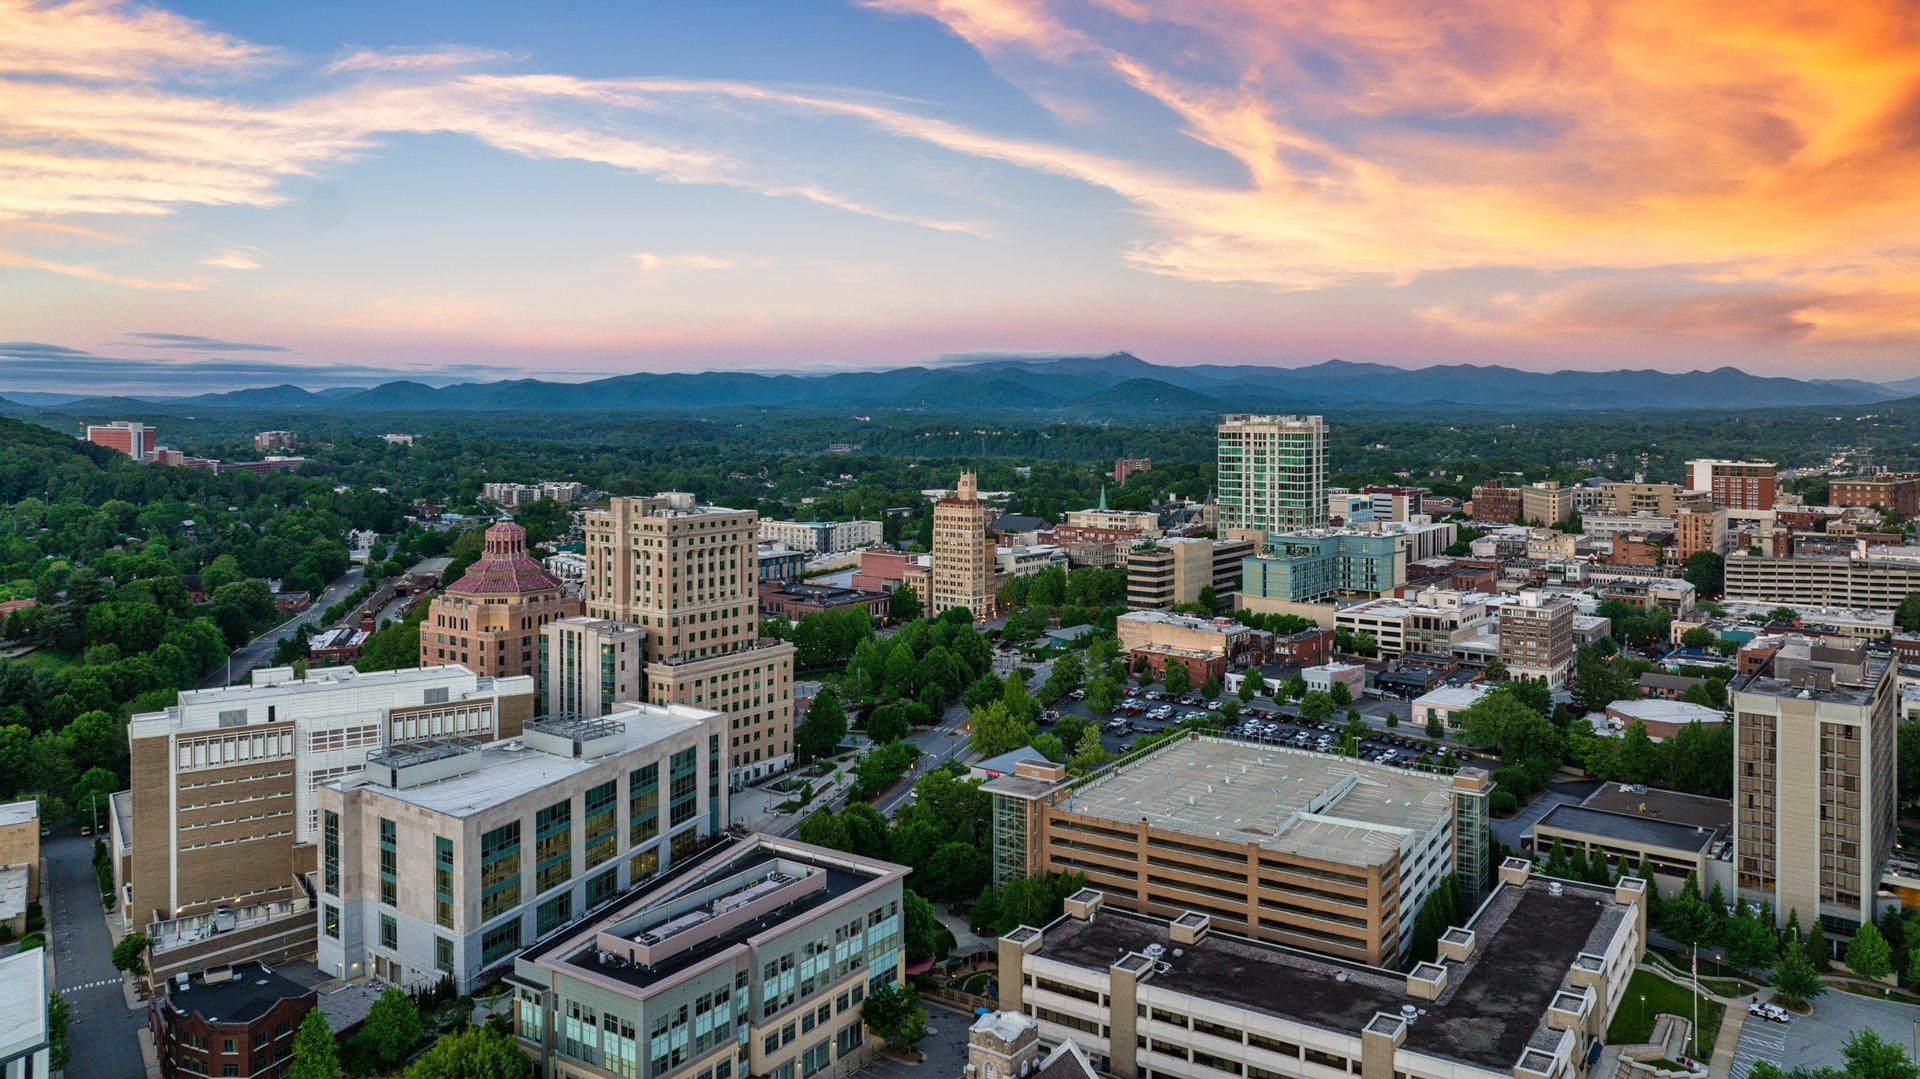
{"x": 938, "y": 745}
{"x": 259, "y": 651}
{"x": 103, "y": 1032}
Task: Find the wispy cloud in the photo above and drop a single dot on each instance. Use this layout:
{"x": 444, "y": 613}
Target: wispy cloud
{"x": 193, "y": 342}
{"x": 439, "y": 58}
{"x": 231, "y": 259}
{"x": 653, "y": 262}
{"x": 42, "y": 367}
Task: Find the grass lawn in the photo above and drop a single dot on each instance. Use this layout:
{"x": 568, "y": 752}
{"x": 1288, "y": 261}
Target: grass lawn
{"x": 46, "y": 659}
{"x": 1633, "y": 1023}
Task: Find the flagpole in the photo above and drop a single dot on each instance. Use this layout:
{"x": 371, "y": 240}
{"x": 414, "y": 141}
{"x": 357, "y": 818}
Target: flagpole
{"x": 1696, "y": 998}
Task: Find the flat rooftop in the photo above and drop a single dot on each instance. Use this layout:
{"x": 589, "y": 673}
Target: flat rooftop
{"x": 1494, "y": 1007}
{"x": 507, "y": 770}
{"x": 19, "y": 812}
{"x": 23, "y": 1000}
{"x": 1692, "y": 810}
{"x": 1185, "y": 621}
{"x": 1764, "y": 683}
{"x": 248, "y": 995}
{"x": 1289, "y": 800}
{"x": 1628, "y": 827}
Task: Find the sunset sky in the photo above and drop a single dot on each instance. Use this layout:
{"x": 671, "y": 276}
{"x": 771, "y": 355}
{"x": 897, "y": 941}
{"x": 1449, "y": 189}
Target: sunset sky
{"x": 211, "y": 194}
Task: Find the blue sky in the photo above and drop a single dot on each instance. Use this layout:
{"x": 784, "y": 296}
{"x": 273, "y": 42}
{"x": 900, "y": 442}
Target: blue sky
{"x": 448, "y": 191}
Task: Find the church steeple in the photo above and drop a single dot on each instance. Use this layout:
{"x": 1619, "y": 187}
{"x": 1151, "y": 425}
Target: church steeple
{"x": 1103, "y": 496}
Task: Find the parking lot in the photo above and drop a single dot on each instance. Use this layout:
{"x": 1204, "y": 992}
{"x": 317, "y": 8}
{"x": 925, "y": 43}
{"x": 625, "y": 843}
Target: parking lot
{"x": 1815, "y": 1041}
{"x": 1759, "y": 1040}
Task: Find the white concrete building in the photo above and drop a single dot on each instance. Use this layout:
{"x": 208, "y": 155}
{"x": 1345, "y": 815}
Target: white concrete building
{"x": 821, "y": 537}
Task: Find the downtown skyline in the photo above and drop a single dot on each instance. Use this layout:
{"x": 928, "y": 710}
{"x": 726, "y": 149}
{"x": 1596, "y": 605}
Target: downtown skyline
{"x": 456, "y": 193}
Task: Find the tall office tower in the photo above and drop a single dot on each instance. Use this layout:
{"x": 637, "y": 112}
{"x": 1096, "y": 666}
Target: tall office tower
{"x": 136, "y": 440}
{"x": 1814, "y": 784}
{"x": 489, "y": 620}
{"x": 587, "y": 665}
{"x": 963, "y": 556}
{"x": 687, "y": 574}
{"x": 1272, "y": 472}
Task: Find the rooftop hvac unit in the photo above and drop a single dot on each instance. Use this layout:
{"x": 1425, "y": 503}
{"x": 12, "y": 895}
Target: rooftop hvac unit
{"x": 1554, "y": 888}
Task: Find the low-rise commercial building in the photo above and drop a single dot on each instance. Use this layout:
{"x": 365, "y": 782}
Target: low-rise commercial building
{"x": 1172, "y": 571}
{"x": 1207, "y": 646}
{"x": 1323, "y": 852}
{"x": 1446, "y": 703}
{"x": 1327, "y": 675}
{"x": 26, "y": 1031}
{"x": 238, "y": 1020}
{"x": 1662, "y": 718}
{"x": 445, "y": 860}
{"x": 821, "y": 537}
{"x": 1525, "y": 989}
{"x": 754, "y": 960}
{"x": 1676, "y": 834}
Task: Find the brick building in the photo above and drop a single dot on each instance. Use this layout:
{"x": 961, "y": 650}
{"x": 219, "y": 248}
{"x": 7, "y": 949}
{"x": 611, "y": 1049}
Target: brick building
{"x": 238, "y": 1020}
{"x": 489, "y": 620}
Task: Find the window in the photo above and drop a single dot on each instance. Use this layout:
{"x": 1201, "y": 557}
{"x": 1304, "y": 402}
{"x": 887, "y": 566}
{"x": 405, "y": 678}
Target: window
{"x": 643, "y": 865}
{"x": 643, "y": 804}
{"x": 330, "y": 920}
{"x": 602, "y": 827}
{"x": 499, "y": 942}
{"x": 233, "y": 717}
{"x": 553, "y": 914}
{"x": 500, "y": 870}
{"x": 683, "y": 792}
{"x": 389, "y": 863}
{"x": 443, "y": 955}
{"x": 443, "y": 882}
{"x": 331, "y": 863}
{"x": 436, "y": 695}
{"x": 389, "y": 932}
{"x": 553, "y": 849}
{"x": 602, "y": 888}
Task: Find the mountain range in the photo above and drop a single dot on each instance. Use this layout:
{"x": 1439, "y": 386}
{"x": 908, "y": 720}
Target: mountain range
{"x": 1069, "y": 386}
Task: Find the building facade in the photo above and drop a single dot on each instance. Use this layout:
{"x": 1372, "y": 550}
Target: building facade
{"x": 1536, "y": 637}
{"x": 238, "y": 1021}
{"x": 1814, "y": 784}
{"x": 1546, "y": 503}
{"x": 687, "y": 575}
{"x": 446, "y": 860}
{"x": 1899, "y": 493}
{"x": 588, "y": 665}
{"x": 489, "y": 621}
{"x": 963, "y": 554}
{"x": 753, "y": 961}
{"x": 1271, "y": 472}
{"x": 821, "y": 537}
{"x": 1496, "y": 503}
{"x": 1736, "y": 485}
{"x": 1821, "y": 580}
{"x": 1169, "y": 572}
{"x": 130, "y": 437}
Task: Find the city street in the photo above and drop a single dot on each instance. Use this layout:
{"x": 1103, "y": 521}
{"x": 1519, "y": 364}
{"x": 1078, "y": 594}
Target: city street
{"x": 259, "y": 651}
{"x": 103, "y": 1032}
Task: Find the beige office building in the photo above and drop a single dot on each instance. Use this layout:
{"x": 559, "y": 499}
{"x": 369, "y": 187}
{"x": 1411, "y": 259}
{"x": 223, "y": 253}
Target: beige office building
{"x": 1536, "y": 637}
{"x": 1272, "y": 473}
{"x": 687, "y": 574}
{"x": 446, "y": 859}
{"x": 1814, "y": 782}
{"x": 1658, "y": 499}
{"x": 1821, "y": 580}
{"x": 588, "y": 665}
{"x": 1173, "y": 571}
{"x": 224, "y": 807}
{"x": 964, "y": 557}
{"x": 1546, "y": 502}
{"x": 1525, "y": 988}
{"x": 1292, "y": 846}
{"x": 489, "y": 620}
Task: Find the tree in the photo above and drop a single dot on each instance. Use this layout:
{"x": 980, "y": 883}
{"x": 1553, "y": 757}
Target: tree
{"x": 392, "y": 1028}
{"x": 130, "y": 955}
{"x": 1089, "y": 754}
{"x": 1706, "y": 571}
{"x": 903, "y": 604}
{"x": 1436, "y": 730}
{"x": 1176, "y": 677}
{"x": 820, "y": 732}
{"x": 921, "y": 929}
{"x": 1699, "y": 637}
{"x": 1686, "y": 918}
{"x": 890, "y": 1011}
{"x": 1750, "y": 941}
{"x": 1103, "y": 694}
{"x": 1316, "y": 705}
{"x": 1342, "y": 696}
{"x": 996, "y": 730}
{"x": 956, "y": 872}
{"x": 481, "y": 1052}
{"x": 1817, "y": 949}
{"x": 315, "y": 1054}
{"x": 1868, "y": 953}
{"x": 1869, "y": 1056}
{"x": 1252, "y": 684}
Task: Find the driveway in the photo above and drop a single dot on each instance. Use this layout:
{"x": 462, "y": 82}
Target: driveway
{"x": 103, "y": 1032}
{"x": 1759, "y": 1041}
{"x": 260, "y": 650}
{"x": 1815, "y": 1041}
{"x": 945, "y": 1048}
{"x": 1510, "y": 830}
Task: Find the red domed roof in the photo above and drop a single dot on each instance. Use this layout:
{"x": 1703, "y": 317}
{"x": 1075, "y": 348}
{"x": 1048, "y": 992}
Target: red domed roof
{"x": 504, "y": 566}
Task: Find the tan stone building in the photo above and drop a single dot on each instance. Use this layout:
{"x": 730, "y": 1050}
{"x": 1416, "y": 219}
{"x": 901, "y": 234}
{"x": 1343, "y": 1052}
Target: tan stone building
{"x": 1286, "y": 845}
{"x": 447, "y": 859}
{"x": 1523, "y": 989}
{"x": 687, "y": 575}
{"x": 20, "y": 842}
{"x": 489, "y": 620}
{"x": 1546, "y": 502}
{"x": 588, "y": 665}
{"x": 1658, "y": 499}
{"x": 964, "y": 557}
{"x": 1814, "y": 781}
{"x": 1168, "y": 572}
{"x": 1697, "y": 530}
{"x": 224, "y": 816}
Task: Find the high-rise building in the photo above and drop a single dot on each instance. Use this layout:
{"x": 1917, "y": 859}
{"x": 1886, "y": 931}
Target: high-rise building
{"x": 444, "y": 860}
{"x": 1395, "y": 503}
{"x": 489, "y": 620}
{"x": 1814, "y": 782}
{"x": 687, "y": 575}
{"x": 753, "y": 960}
{"x": 1536, "y": 637}
{"x": 130, "y": 437}
{"x": 1697, "y": 530}
{"x": 1127, "y": 466}
{"x": 588, "y": 665}
{"x": 1735, "y": 485}
{"x": 964, "y": 556}
{"x": 1272, "y": 472}
{"x": 224, "y": 814}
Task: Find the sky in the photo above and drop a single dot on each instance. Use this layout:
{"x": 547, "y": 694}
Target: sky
{"x": 213, "y": 194}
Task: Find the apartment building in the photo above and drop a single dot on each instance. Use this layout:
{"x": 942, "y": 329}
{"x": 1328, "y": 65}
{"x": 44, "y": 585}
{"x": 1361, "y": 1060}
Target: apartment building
{"x": 1898, "y": 493}
{"x": 1658, "y": 499}
{"x": 513, "y": 495}
{"x": 1172, "y": 571}
{"x": 446, "y": 859}
{"x": 1271, "y": 472}
{"x": 224, "y": 806}
{"x": 1536, "y": 637}
{"x": 1496, "y": 503}
{"x": 1814, "y": 782}
{"x": 1303, "y": 567}
{"x": 1821, "y": 580}
{"x": 130, "y": 437}
{"x": 489, "y": 621}
{"x": 1395, "y": 503}
{"x": 1524, "y": 989}
{"x": 687, "y": 575}
{"x": 588, "y": 665}
{"x": 1699, "y": 530}
{"x": 1736, "y": 485}
{"x": 821, "y": 537}
{"x": 1291, "y": 846}
{"x": 1546, "y": 502}
{"x": 963, "y": 553}
{"x": 753, "y": 960}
